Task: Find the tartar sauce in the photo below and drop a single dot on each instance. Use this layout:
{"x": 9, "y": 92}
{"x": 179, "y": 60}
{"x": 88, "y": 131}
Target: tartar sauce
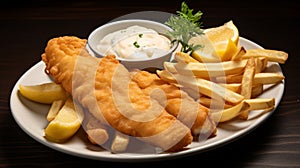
{"x": 135, "y": 42}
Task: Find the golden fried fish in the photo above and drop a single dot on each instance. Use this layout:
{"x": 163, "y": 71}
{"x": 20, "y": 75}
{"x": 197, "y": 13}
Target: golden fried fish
{"x": 105, "y": 88}
{"x": 177, "y": 102}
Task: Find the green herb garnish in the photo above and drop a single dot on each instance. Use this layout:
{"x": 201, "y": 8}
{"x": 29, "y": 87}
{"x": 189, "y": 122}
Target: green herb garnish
{"x": 136, "y": 44}
{"x": 185, "y": 26}
{"x": 188, "y": 14}
{"x": 140, "y": 35}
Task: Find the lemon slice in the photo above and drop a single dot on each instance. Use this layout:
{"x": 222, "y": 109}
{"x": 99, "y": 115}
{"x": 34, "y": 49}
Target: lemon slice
{"x": 230, "y": 50}
{"x": 65, "y": 124}
{"x": 235, "y": 36}
{"x": 224, "y": 38}
{"x": 207, "y": 53}
{"x": 43, "y": 93}
{"x": 223, "y": 33}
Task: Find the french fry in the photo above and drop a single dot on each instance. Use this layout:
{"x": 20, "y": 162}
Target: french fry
{"x": 235, "y": 87}
{"x": 230, "y": 113}
{"x": 271, "y": 55}
{"x": 184, "y": 57}
{"x": 261, "y": 103}
{"x": 209, "y": 70}
{"x": 259, "y": 78}
{"x": 257, "y": 89}
{"x": 205, "y": 87}
{"x": 166, "y": 76}
{"x": 268, "y": 78}
{"x": 212, "y": 90}
{"x": 261, "y": 64}
{"x": 54, "y": 109}
{"x": 239, "y": 54}
{"x": 169, "y": 66}
{"x": 247, "y": 80}
{"x": 209, "y": 103}
{"x": 97, "y": 136}
{"x": 229, "y": 79}
{"x": 95, "y": 130}
{"x": 119, "y": 143}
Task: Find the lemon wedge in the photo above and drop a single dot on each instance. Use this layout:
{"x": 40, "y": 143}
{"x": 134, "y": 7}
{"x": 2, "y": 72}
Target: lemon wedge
{"x": 207, "y": 53}
{"x": 43, "y": 93}
{"x": 230, "y": 50}
{"x": 65, "y": 124}
{"x": 224, "y": 38}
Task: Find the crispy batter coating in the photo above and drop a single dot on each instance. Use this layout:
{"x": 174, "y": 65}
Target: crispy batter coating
{"x": 59, "y": 58}
{"x": 177, "y": 102}
{"x": 105, "y": 88}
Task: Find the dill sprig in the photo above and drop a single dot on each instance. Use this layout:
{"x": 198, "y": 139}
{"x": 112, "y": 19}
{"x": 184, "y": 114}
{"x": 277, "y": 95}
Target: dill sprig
{"x": 185, "y": 26}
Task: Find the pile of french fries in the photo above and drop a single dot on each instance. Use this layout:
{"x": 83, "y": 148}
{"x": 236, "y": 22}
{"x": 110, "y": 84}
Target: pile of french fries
{"x": 229, "y": 89}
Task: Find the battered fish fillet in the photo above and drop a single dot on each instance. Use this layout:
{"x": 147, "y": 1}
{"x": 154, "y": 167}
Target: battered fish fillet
{"x": 177, "y": 103}
{"x": 105, "y": 88}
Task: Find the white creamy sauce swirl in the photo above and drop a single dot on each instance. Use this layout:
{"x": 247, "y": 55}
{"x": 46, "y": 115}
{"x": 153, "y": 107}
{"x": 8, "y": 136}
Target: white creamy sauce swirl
{"x": 135, "y": 42}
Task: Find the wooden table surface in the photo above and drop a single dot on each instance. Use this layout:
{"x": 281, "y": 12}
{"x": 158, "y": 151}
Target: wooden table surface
{"x": 26, "y": 26}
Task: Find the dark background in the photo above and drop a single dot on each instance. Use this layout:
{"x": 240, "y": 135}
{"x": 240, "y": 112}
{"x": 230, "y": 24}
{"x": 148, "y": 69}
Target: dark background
{"x": 26, "y": 26}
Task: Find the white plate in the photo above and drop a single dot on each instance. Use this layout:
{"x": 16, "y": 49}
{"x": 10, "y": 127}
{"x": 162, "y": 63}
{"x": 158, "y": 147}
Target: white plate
{"x": 31, "y": 117}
